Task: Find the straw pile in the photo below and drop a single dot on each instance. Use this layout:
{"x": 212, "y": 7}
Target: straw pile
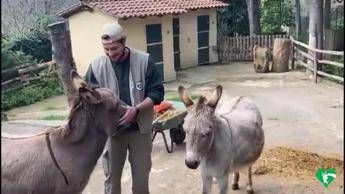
{"x": 288, "y": 162}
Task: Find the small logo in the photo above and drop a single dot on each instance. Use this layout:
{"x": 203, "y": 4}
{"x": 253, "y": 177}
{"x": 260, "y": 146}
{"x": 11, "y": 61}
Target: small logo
{"x": 139, "y": 86}
{"x": 325, "y": 176}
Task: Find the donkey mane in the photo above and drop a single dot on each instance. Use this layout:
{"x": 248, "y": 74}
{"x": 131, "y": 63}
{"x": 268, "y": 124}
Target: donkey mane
{"x": 203, "y": 113}
{"x": 81, "y": 114}
{"x": 201, "y": 110}
{"x": 200, "y": 107}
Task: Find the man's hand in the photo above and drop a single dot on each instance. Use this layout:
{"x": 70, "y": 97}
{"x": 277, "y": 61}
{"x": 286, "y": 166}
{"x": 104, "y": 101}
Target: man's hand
{"x": 129, "y": 116}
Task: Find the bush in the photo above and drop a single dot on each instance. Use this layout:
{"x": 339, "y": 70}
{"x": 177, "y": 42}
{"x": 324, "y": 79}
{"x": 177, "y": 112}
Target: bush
{"x": 274, "y": 14}
{"x": 334, "y": 70}
{"x": 337, "y": 18}
{"x": 11, "y": 58}
{"x": 35, "y": 42}
{"x": 48, "y": 86}
{"x": 30, "y": 47}
{"x": 54, "y": 117}
{"x": 233, "y": 19}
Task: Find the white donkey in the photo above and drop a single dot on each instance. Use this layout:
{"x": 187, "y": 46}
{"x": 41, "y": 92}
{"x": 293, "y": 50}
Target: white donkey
{"x": 222, "y": 143}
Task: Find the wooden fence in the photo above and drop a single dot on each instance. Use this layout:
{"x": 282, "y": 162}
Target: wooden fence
{"x": 15, "y": 78}
{"x": 298, "y": 56}
{"x": 239, "y": 48}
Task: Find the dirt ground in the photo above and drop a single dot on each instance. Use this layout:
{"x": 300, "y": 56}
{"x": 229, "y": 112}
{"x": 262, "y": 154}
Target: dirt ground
{"x": 297, "y": 114}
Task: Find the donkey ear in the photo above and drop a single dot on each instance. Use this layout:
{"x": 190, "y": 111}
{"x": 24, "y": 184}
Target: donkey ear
{"x": 215, "y": 97}
{"x": 77, "y": 81}
{"x": 184, "y": 96}
{"x": 90, "y": 96}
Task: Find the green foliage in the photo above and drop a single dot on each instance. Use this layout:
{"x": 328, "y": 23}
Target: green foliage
{"x": 303, "y": 37}
{"x": 51, "y": 108}
{"x": 46, "y": 87}
{"x": 30, "y": 47}
{"x": 233, "y": 19}
{"x": 11, "y": 58}
{"x": 337, "y": 18}
{"x": 41, "y": 24}
{"x": 274, "y": 14}
{"x": 36, "y": 45}
{"x": 54, "y": 117}
{"x": 36, "y": 42}
{"x": 334, "y": 70}
{"x": 177, "y": 98}
{"x": 27, "y": 48}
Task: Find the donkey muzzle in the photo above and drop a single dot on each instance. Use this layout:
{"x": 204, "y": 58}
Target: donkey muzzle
{"x": 193, "y": 164}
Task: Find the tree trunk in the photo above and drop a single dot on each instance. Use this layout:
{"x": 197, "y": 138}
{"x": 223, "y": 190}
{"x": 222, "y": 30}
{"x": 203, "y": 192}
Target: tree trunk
{"x": 298, "y": 18}
{"x": 281, "y": 53}
{"x": 327, "y": 15}
{"x": 62, "y": 55}
{"x": 327, "y": 43}
{"x": 320, "y": 36}
{"x": 253, "y": 8}
{"x": 315, "y": 29}
{"x": 4, "y": 116}
{"x": 319, "y": 26}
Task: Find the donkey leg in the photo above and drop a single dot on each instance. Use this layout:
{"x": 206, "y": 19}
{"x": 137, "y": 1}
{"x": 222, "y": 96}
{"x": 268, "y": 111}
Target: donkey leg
{"x": 235, "y": 181}
{"x": 223, "y": 184}
{"x": 250, "y": 182}
{"x": 206, "y": 183}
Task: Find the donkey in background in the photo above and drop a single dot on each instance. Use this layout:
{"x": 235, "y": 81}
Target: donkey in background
{"x": 61, "y": 161}
{"x": 222, "y": 144}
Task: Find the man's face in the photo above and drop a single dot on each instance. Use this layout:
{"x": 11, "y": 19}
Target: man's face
{"x": 114, "y": 50}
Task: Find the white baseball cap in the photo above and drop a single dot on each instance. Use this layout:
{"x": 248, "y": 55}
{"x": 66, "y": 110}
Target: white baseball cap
{"x": 113, "y": 30}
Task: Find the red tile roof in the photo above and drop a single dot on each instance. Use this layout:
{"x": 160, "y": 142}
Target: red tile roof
{"x": 141, "y": 8}
{"x": 131, "y": 8}
{"x": 199, "y": 4}
{"x": 73, "y": 9}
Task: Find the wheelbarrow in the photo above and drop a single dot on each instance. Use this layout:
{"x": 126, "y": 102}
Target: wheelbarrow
{"x": 173, "y": 123}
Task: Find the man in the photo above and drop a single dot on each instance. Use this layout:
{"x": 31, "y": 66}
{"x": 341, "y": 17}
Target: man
{"x": 133, "y": 77}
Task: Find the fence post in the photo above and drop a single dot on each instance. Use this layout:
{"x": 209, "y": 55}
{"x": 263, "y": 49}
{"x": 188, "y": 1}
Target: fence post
{"x": 293, "y": 55}
{"x": 237, "y": 47}
{"x": 62, "y": 55}
{"x": 315, "y": 66}
{"x": 219, "y": 49}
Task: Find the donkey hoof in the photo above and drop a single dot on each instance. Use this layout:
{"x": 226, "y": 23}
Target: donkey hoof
{"x": 235, "y": 186}
{"x": 251, "y": 191}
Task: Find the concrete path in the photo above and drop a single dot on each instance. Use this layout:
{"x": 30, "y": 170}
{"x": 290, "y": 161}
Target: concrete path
{"x": 297, "y": 114}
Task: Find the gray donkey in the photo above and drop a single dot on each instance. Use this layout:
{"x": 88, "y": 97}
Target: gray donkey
{"x": 222, "y": 143}
{"x": 61, "y": 160}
